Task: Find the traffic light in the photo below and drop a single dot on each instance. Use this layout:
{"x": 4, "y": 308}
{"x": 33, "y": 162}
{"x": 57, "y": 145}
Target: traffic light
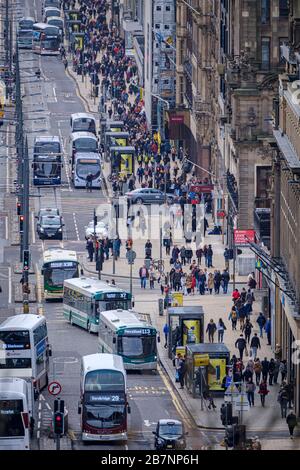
{"x": 226, "y": 414}
{"x": 229, "y": 436}
{"x": 58, "y": 420}
{"x": 21, "y": 220}
{"x": 18, "y": 208}
{"x": 58, "y": 423}
{"x": 26, "y": 260}
{"x": 230, "y": 253}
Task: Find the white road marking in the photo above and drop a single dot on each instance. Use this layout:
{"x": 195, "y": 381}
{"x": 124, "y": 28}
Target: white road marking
{"x": 76, "y": 226}
{"x": 9, "y": 285}
{"x": 38, "y": 434}
{"x": 7, "y": 163}
{"x": 54, "y": 93}
{"x": 48, "y": 406}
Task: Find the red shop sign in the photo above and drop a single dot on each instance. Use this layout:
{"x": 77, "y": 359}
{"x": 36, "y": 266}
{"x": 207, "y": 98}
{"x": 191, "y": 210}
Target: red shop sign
{"x": 243, "y": 237}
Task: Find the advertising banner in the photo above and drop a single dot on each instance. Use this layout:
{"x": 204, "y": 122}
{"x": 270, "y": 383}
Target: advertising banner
{"x": 191, "y": 332}
{"x": 216, "y": 372}
{"x": 243, "y": 237}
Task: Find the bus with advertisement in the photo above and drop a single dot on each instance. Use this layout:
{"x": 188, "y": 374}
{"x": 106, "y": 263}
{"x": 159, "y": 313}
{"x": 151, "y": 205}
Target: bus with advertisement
{"x": 46, "y": 39}
{"x": 58, "y": 265}
{"x": 103, "y": 405}
{"x": 125, "y": 333}
{"x": 122, "y": 160}
{"x": 24, "y": 349}
{"x": 85, "y": 298}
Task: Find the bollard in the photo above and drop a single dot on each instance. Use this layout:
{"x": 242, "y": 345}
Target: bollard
{"x": 161, "y": 307}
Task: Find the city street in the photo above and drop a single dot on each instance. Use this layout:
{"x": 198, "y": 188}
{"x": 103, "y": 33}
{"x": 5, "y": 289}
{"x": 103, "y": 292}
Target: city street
{"x": 52, "y": 89}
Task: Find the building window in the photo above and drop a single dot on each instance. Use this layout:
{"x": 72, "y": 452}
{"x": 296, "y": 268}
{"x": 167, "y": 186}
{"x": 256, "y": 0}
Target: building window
{"x": 167, "y": 26}
{"x": 283, "y": 8}
{"x": 158, "y": 8}
{"x": 263, "y": 181}
{"x": 265, "y": 53}
{"x": 168, "y": 8}
{"x": 265, "y": 11}
{"x": 282, "y": 41}
{"x": 157, "y": 26}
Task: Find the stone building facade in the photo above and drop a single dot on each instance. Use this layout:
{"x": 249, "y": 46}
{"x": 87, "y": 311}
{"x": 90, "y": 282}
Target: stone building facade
{"x": 228, "y": 59}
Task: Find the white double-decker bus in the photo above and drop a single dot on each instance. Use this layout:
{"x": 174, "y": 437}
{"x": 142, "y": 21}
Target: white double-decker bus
{"x": 24, "y": 349}
{"x": 103, "y": 398}
{"x": 16, "y": 414}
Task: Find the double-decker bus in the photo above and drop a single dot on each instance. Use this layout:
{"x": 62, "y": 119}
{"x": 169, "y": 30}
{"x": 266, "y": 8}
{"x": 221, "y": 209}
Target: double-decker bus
{"x": 47, "y": 161}
{"x": 46, "y": 39}
{"x": 58, "y": 265}
{"x": 85, "y": 298}
{"x": 84, "y": 164}
{"x": 125, "y": 333}
{"x": 103, "y": 401}
{"x": 83, "y": 122}
{"x": 24, "y": 349}
{"x": 16, "y": 414}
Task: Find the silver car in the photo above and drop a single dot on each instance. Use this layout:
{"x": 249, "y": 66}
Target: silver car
{"x": 149, "y": 196}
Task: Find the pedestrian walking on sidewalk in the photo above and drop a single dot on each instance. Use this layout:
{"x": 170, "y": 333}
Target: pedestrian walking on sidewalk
{"x": 90, "y": 249}
{"x": 210, "y": 283}
{"x": 283, "y": 370}
{"x": 181, "y": 372}
{"x": 254, "y": 345}
{"x": 271, "y": 371}
{"x": 221, "y": 327}
{"x": 233, "y": 317}
{"x": 291, "y": 420}
{"x": 263, "y": 391}
{"x": 166, "y": 331}
{"x": 265, "y": 364}
{"x": 210, "y": 257}
{"x": 261, "y": 321}
{"x": 247, "y": 329}
{"x": 143, "y": 273}
{"x": 241, "y": 344}
{"x": 199, "y": 254}
{"x": 250, "y": 389}
{"x": 283, "y": 400}
{"x": 211, "y": 329}
{"x": 257, "y": 370}
{"x": 225, "y": 280}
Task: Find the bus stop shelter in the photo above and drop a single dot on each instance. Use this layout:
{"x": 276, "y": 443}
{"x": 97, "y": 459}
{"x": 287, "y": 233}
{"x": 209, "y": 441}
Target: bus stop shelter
{"x": 186, "y": 326}
{"x": 207, "y": 361}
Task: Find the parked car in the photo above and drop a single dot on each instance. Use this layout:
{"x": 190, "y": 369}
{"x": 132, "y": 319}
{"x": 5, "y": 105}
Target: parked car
{"x": 169, "y": 434}
{"x": 101, "y": 230}
{"x": 149, "y": 196}
{"x": 50, "y": 226}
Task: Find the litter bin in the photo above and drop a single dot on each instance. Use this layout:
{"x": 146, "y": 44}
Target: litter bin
{"x": 161, "y": 307}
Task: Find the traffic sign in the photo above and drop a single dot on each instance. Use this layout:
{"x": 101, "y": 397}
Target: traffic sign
{"x": 130, "y": 255}
{"x": 241, "y": 402}
{"x": 231, "y": 393}
{"x": 54, "y": 388}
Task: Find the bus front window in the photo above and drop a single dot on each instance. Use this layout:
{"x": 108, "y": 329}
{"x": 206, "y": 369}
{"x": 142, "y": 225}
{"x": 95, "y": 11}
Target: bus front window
{"x": 55, "y": 276}
{"x": 11, "y": 424}
{"x": 50, "y": 44}
{"x": 105, "y": 416}
{"x": 83, "y": 169}
{"x": 137, "y": 346}
{"x": 44, "y": 169}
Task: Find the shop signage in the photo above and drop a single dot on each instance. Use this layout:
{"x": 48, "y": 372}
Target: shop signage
{"x": 221, "y": 214}
{"x": 177, "y": 119}
{"x": 244, "y": 237}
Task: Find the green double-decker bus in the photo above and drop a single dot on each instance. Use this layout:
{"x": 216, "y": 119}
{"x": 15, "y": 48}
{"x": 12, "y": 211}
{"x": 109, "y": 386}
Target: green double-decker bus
{"x": 85, "y": 298}
{"x": 124, "y": 333}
